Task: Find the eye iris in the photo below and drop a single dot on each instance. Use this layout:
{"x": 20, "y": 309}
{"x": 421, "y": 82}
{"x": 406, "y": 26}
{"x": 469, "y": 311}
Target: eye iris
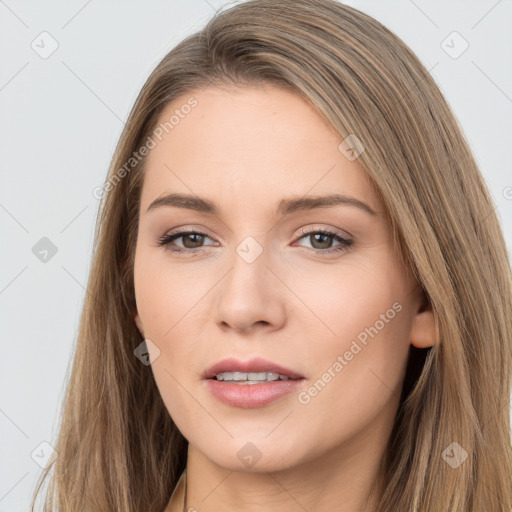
{"x": 323, "y": 245}
{"x": 198, "y": 238}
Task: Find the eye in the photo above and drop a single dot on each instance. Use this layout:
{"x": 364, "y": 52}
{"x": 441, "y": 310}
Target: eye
{"x": 321, "y": 241}
{"x": 192, "y": 240}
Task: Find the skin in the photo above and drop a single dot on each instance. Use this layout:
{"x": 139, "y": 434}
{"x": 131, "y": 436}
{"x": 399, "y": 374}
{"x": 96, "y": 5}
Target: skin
{"x": 245, "y": 150}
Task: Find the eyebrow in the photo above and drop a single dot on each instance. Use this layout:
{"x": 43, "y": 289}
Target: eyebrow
{"x": 284, "y": 207}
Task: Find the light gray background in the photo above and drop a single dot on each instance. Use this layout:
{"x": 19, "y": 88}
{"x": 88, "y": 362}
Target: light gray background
{"x": 61, "y": 117}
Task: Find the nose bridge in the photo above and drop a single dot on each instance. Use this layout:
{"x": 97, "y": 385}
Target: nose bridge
{"x": 249, "y": 264}
{"x": 249, "y": 294}
{"x": 248, "y": 280}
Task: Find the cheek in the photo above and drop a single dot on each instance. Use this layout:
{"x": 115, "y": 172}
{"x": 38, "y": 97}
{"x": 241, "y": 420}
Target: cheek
{"x": 163, "y": 294}
{"x": 359, "y": 362}
{"x": 340, "y": 302}
{"x": 356, "y": 385}
{"x": 165, "y": 300}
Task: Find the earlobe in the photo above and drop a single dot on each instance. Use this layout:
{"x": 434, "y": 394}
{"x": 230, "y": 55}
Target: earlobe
{"x": 139, "y": 324}
{"x": 423, "y": 331}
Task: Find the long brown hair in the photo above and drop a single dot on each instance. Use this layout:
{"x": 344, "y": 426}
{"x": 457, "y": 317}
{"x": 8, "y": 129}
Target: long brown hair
{"x": 118, "y": 448}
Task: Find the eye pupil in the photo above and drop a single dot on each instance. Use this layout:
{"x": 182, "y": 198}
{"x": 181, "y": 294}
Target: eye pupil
{"x": 321, "y": 235}
{"x": 187, "y": 239}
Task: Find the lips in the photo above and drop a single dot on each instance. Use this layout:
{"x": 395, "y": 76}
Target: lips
{"x": 255, "y": 365}
{"x": 253, "y": 394}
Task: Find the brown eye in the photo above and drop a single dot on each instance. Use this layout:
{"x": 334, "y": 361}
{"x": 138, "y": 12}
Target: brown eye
{"x": 322, "y": 241}
{"x": 191, "y": 240}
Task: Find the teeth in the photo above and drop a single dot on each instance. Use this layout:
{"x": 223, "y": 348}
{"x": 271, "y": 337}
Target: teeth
{"x": 250, "y": 377}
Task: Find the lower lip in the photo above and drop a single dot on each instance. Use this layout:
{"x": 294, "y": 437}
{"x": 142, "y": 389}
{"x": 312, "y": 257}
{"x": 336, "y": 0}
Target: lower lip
{"x": 249, "y": 396}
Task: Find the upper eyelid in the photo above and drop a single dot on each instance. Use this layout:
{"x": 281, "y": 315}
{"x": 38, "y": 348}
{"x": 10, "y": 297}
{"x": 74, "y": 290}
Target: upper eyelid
{"x": 331, "y": 231}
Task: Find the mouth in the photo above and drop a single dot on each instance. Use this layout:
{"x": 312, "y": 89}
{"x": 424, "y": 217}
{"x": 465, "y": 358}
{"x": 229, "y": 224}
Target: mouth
{"x": 255, "y": 370}
{"x": 250, "y": 378}
{"x": 250, "y": 384}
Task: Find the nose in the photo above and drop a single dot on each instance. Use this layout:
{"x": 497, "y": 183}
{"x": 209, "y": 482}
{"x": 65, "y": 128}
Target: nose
{"x": 250, "y": 297}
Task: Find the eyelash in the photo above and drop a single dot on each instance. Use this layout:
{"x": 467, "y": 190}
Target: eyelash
{"x": 170, "y": 237}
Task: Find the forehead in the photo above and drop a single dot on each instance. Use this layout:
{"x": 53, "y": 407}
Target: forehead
{"x": 238, "y": 145}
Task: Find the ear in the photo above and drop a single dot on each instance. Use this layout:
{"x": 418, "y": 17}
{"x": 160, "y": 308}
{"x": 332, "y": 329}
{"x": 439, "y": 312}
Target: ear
{"x": 423, "y": 330}
{"x": 138, "y": 322}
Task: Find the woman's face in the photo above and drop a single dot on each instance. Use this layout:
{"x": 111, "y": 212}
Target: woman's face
{"x": 261, "y": 281}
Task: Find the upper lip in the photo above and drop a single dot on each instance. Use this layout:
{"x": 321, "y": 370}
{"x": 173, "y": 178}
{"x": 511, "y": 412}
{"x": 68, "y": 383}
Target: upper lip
{"x": 255, "y": 365}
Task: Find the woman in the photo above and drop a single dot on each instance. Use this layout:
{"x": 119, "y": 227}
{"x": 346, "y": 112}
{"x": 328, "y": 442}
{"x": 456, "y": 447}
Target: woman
{"x": 300, "y": 294}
